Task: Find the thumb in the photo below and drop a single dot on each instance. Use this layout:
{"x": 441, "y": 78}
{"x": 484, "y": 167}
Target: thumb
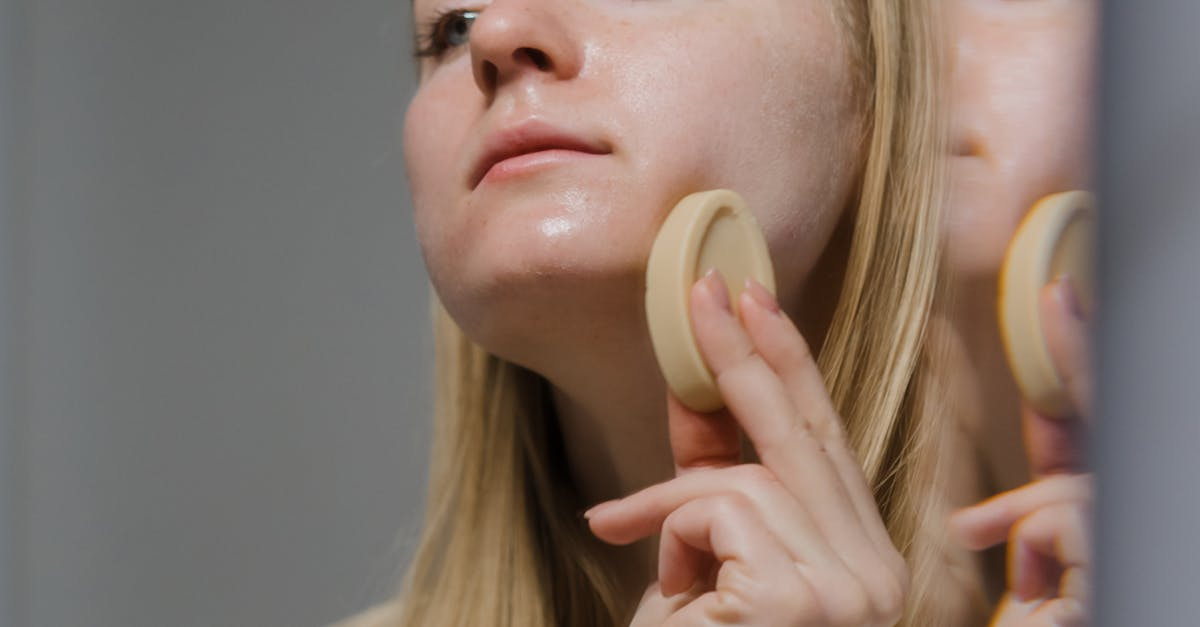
{"x": 699, "y": 440}
{"x": 1053, "y": 445}
{"x": 654, "y": 609}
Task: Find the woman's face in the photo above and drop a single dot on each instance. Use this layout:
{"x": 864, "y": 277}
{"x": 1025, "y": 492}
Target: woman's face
{"x": 548, "y": 139}
{"x": 1022, "y": 97}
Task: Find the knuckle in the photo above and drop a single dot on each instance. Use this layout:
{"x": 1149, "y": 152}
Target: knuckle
{"x": 796, "y": 602}
{"x": 1020, "y": 532}
{"x": 1027, "y": 526}
{"x": 756, "y": 476}
{"x": 799, "y": 430}
{"x": 888, "y": 598}
{"x": 677, "y": 517}
{"x": 672, "y": 520}
{"x": 849, "y": 611}
{"x": 846, "y": 601}
{"x": 828, "y": 428}
{"x": 901, "y": 575}
{"x": 725, "y": 508}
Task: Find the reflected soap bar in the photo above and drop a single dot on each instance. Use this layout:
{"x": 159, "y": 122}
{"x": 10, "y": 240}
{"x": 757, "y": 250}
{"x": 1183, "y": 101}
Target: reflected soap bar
{"x": 1056, "y": 238}
{"x": 712, "y": 229}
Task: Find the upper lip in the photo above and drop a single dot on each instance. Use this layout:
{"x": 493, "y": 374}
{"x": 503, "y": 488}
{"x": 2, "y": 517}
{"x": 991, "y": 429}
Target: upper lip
{"x": 524, "y": 138}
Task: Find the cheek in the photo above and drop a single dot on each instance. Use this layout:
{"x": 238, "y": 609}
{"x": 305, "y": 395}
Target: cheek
{"x": 433, "y": 137}
{"x": 777, "y": 123}
{"x": 1030, "y": 90}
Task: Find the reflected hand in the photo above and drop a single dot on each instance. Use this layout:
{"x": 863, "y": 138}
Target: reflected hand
{"x": 1046, "y": 522}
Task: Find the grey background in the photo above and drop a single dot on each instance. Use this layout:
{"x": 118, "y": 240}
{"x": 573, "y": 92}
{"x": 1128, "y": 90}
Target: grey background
{"x": 213, "y": 353}
{"x": 1148, "y": 440}
{"x": 215, "y": 339}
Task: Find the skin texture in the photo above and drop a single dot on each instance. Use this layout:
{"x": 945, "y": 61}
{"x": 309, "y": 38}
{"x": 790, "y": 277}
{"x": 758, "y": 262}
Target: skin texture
{"x": 546, "y": 266}
{"x": 541, "y": 261}
{"x": 1023, "y": 88}
{"x": 1022, "y": 97}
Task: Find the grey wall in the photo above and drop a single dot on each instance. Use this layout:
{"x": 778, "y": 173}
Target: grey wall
{"x": 14, "y": 117}
{"x": 1148, "y": 440}
{"x": 215, "y": 324}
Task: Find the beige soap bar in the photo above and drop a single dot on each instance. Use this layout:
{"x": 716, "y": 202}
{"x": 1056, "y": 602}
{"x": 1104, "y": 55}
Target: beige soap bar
{"x": 1056, "y": 238}
{"x": 712, "y": 229}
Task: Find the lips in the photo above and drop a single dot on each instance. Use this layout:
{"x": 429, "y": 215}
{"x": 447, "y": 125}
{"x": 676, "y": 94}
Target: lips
{"x": 529, "y": 138}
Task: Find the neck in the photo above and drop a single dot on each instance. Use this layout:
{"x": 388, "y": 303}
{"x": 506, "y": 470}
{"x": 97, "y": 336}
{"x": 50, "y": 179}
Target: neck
{"x": 612, "y": 416}
{"x": 987, "y": 394}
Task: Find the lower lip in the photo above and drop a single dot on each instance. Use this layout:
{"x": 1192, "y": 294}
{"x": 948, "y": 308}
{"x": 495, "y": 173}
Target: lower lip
{"x": 533, "y": 162}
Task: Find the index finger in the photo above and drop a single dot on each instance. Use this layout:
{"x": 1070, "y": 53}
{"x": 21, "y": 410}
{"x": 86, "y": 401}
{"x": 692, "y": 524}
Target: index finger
{"x": 987, "y": 524}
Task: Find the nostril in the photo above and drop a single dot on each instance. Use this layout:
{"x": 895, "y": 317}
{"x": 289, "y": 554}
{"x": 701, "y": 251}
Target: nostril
{"x": 539, "y": 59}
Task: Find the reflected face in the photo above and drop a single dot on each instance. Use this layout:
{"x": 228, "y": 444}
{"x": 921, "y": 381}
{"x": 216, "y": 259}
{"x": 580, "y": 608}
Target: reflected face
{"x": 1022, "y": 101}
{"x": 548, "y": 139}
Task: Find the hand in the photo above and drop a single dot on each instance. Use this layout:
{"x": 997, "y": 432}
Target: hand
{"x": 795, "y": 540}
{"x": 1046, "y": 522}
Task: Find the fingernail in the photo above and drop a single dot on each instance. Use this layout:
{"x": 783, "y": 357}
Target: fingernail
{"x": 1068, "y": 297}
{"x": 761, "y": 295}
{"x": 715, "y": 284}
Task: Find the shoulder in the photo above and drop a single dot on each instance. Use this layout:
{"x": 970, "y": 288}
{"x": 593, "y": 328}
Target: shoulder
{"x": 385, "y": 615}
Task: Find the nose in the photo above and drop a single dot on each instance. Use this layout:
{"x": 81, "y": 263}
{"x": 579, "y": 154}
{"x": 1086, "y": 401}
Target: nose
{"x": 971, "y": 102}
{"x": 513, "y": 40}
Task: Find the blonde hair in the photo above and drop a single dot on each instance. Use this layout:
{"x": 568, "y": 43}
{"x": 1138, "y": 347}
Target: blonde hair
{"x": 503, "y": 543}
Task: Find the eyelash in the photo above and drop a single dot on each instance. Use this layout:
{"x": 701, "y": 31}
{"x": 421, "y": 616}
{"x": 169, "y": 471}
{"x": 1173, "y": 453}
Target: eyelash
{"x": 431, "y": 43}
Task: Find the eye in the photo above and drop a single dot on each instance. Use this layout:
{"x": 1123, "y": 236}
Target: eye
{"x": 448, "y": 30}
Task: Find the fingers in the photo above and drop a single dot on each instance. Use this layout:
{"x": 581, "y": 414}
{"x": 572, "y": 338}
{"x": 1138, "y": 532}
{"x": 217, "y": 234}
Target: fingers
{"x": 644, "y": 513}
{"x": 783, "y": 348}
{"x": 1064, "y": 323}
{"x": 848, "y": 576}
{"x": 744, "y": 378}
{"x": 989, "y": 523}
{"x": 757, "y": 583}
{"x": 792, "y": 437}
{"x": 1049, "y": 551}
{"x": 719, "y": 527}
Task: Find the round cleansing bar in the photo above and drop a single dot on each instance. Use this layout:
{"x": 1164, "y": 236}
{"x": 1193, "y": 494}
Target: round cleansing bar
{"x": 1055, "y": 239}
{"x": 706, "y": 230}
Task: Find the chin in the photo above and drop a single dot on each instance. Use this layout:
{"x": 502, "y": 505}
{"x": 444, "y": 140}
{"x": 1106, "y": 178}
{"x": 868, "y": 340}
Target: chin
{"x": 530, "y": 302}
